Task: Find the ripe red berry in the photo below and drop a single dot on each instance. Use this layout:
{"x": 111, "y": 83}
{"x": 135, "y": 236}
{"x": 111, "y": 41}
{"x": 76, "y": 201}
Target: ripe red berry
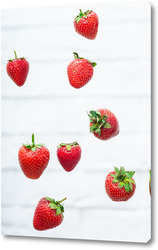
{"x": 103, "y": 124}
{"x": 33, "y": 159}
{"x": 86, "y": 24}
{"x": 80, "y": 71}
{"x": 17, "y": 70}
{"x": 119, "y": 184}
{"x": 48, "y": 214}
{"x": 69, "y": 155}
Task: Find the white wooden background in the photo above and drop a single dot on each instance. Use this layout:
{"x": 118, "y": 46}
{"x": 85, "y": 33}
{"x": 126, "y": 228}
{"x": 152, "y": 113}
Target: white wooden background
{"x": 48, "y": 106}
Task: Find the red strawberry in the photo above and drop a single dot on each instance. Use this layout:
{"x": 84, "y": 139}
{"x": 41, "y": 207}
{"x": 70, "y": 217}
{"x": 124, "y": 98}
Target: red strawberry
{"x": 17, "y": 70}
{"x": 103, "y": 124}
{"x": 48, "y": 214}
{"x": 33, "y": 159}
{"x": 80, "y": 71}
{"x": 69, "y": 155}
{"x": 119, "y": 184}
{"x": 86, "y": 24}
{"x": 150, "y": 182}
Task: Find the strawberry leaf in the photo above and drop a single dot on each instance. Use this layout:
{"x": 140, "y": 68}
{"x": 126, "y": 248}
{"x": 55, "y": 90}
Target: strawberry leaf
{"x": 127, "y": 187}
{"x": 130, "y": 174}
{"x": 68, "y": 147}
{"x": 98, "y": 131}
{"x": 120, "y": 185}
{"x": 122, "y": 170}
{"x": 58, "y": 211}
{"x": 50, "y": 199}
{"x": 94, "y": 113}
{"x": 39, "y": 145}
{"x": 33, "y": 149}
{"x": 76, "y": 56}
{"x": 53, "y": 206}
{"x": 98, "y": 113}
{"x": 114, "y": 175}
{"x": 92, "y": 127}
{"x": 98, "y": 120}
{"x": 104, "y": 117}
{"x": 28, "y": 146}
{"x": 117, "y": 170}
{"x": 115, "y": 180}
{"x": 130, "y": 180}
{"x": 130, "y": 186}
{"x": 93, "y": 64}
{"x": 107, "y": 125}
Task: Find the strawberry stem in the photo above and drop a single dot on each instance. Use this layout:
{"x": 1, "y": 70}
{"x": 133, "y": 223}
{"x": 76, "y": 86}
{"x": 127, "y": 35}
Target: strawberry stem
{"x": 61, "y": 200}
{"x": 15, "y": 54}
{"x": 33, "y": 140}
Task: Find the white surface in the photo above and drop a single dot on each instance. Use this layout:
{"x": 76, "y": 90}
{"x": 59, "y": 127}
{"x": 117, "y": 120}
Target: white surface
{"x": 127, "y": 78}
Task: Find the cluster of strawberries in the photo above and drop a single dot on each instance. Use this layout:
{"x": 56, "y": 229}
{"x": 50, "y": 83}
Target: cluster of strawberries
{"x": 34, "y": 158}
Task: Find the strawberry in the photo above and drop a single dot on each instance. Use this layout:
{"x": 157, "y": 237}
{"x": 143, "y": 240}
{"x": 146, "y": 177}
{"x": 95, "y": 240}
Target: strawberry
{"x": 150, "y": 182}
{"x": 48, "y": 214}
{"x": 69, "y": 155}
{"x": 17, "y": 70}
{"x": 33, "y": 159}
{"x": 86, "y": 24}
{"x": 119, "y": 184}
{"x": 80, "y": 71}
{"x": 103, "y": 124}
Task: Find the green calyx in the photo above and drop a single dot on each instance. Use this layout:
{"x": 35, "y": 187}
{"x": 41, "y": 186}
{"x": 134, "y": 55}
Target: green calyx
{"x": 81, "y": 15}
{"x": 98, "y": 121}
{"x": 123, "y": 178}
{"x": 33, "y": 146}
{"x": 10, "y": 60}
{"x": 76, "y": 56}
{"x": 56, "y": 205}
{"x": 68, "y": 145}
